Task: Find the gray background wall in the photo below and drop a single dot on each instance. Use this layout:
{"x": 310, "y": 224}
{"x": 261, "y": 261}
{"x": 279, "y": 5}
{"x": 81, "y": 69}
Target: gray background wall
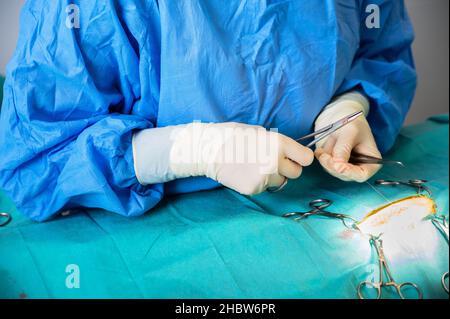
{"x": 431, "y": 51}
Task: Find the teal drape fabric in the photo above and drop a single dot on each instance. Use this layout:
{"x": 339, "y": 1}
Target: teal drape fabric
{"x": 217, "y": 243}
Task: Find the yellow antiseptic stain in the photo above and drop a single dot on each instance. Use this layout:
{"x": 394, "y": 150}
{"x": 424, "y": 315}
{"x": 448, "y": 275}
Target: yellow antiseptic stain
{"x": 406, "y": 232}
{"x": 404, "y": 213}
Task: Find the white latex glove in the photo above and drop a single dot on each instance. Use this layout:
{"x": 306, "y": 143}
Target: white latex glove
{"x": 245, "y": 158}
{"x": 334, "y": 151}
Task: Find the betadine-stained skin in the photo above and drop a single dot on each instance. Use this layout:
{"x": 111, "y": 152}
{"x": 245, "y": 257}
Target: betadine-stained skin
{"x": 417, "y": 207}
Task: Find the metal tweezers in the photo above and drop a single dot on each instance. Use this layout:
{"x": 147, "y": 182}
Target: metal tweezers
{"x": 355, "y": 158}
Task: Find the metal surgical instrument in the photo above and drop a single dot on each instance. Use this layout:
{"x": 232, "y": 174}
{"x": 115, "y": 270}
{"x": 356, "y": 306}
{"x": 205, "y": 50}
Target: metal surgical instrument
{"x": 419, "y": 184}
{"x": 5, "y": 218}
{"x": 317, "y": 209}
{"x": 355, "y": 158}
{"x": 384, "y": 268}
{"x": 329, "y": 129}
{"x": 441, "y": 223}
{"x": 320, "y": 134}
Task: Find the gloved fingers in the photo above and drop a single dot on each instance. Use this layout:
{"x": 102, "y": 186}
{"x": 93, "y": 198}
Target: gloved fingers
{"x": 368, "y": 170}
{"x": 332, "y": 167}
{"x": 358, "y": 173}
{"x": 289, "y": 168}
{"x": 345, "y": 142}
{"x": 275, "y": 180}
{"x": 304, "y": 156}
{"x": 326, "y": 147}
{"x": 368, "y": 148}
{"x": 346, "y": 171}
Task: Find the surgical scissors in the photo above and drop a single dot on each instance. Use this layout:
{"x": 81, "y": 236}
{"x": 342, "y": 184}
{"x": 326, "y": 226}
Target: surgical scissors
{"x": 5, "y": 218}
{"x": 317, "y": 209}
{"x": 384, "y": 268}
{"x": 419, "y": 184}
{"x": 441, "y": 223}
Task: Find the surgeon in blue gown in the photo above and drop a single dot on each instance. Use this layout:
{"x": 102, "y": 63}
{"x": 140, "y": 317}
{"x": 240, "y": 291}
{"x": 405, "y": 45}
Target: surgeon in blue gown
{"x": 103, "y": 97}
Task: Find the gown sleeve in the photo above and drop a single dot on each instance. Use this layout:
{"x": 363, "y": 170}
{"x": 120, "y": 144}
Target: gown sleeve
{"x": 383, "y": 69}
{"x": 69, "y": 108}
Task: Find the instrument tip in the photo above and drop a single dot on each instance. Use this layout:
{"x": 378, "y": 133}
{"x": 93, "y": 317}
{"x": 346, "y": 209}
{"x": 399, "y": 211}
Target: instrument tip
{"x": 355, "y": 115}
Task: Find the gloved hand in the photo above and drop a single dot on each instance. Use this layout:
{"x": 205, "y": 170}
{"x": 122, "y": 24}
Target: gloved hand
{"x": 246, "y": 158}
{"x": 334, "y": 151}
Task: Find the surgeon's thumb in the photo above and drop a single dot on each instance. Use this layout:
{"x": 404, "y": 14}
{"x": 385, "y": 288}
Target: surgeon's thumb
{"x": 343, "y": 147}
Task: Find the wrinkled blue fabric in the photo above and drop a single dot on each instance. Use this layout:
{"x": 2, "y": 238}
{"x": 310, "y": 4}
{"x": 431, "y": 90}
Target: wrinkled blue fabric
{"x": 73, "y": 97}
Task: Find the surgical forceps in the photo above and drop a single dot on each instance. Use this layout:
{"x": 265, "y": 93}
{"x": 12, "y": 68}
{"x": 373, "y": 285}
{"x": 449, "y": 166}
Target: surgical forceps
{"x": 355, "y": 158}
{"x": 329, "y": 129}
{"x": 317, "y": 209}
{"x": 5, "y": 218}
{"x": 384, "y": 268}
{"x": 441, "y": 223}
{"x": 419, "y": 184}
{"x": 319, "y": 135}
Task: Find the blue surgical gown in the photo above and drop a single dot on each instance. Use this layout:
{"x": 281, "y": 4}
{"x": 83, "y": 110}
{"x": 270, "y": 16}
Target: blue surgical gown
{"x": 74, "y": 96}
